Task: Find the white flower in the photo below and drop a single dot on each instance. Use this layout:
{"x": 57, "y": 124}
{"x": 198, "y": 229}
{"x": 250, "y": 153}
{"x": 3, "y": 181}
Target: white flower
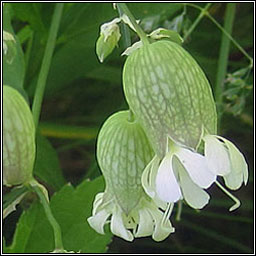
{"x": 144, "y": 220}
{"x": 123, "y": 151}
{"x": 226, "y": 160}
{"x": 182, "y": 173}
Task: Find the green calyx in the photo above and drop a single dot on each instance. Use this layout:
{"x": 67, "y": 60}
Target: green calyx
{"x": 123, "y": 151}
{"x": 18, "y": 138}
{"x": 169, "y": 94}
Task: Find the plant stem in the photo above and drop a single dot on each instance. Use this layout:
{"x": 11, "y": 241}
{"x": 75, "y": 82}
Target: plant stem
{"x": 198, "y": 19}
{"x": 123, "y": 8}
{"x": 127, "y": 43}
{"x": 231, "y": 39}
{"x": 39, "y": 93}
{"x": 125, "y": 31}
{"x": 131, "y": 116}
{"x": 55, "y": 225}
{"x": 223, "y": 58}
{"x": 208, "y": 15}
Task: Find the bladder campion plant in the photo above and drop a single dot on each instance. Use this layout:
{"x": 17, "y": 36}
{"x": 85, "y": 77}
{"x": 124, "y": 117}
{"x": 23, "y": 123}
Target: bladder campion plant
{"x": 171, "y": 99}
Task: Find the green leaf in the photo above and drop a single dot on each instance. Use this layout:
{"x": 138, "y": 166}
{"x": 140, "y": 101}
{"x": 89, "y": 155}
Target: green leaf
{"x": 14, "y": 71}
{"x": 13, "y": 198}
{"x": 107, "y": 74}
{"x": 31, "y": 13}
{"x": 75, "y": 52}
{"x": 47, "y": 167}
{"x": 71, "y": 207}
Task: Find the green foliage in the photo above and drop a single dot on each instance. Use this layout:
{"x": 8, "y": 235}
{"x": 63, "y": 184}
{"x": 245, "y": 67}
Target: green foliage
{"x": 237, "y": 90}
{"x": 71, "y": 207}
{"x": 75, "y": 54}
{"x": 47, "y": 167}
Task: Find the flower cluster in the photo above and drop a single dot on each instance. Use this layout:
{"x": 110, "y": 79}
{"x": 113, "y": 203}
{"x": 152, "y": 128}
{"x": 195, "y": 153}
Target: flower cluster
{"x": 150, "y": 155}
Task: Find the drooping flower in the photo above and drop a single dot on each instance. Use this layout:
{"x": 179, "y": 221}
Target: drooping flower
{"x": 123, "y": 151}
{"x": 172, "y": 99}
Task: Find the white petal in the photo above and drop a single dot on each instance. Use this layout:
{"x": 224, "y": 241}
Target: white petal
{"x": 197, "y": 167}
{"x": 233, "y": 180}
{"x": 98, "y": 221}
{"x": 148, "y": 177}
{"x": 117, "y": 227}
{"x": 217, "y": 155}
{"x": 239, "y": 168}
{"x": 167, "y": 186}
{"x": 97, "y": 202}
{"x": 195, "y": 196}
{"x": 162, "y": 229}
{"x": 146, "y": 225}
{"x": 148, "y": 181}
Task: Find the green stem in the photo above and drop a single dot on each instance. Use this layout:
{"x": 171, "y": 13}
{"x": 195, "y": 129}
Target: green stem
{"x": 125, "y": 31}
{"x": 240, "y": 48}
{"x": 223, "y": 58}
{"x": 127, "y": 43}
{"x": 208, "y": 15}
{"x": 131, "y": 116}
{"x": 123, "y": 8}
{"x": 198, "y": 19}
{"x": 39, "y": 93}
{"x": 55, "y": 225}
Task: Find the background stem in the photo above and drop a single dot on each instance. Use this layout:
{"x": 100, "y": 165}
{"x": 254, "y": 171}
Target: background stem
{"x": 198, "y": 19}
{"x": 223, "y": 58}
{"x": 39, "y": 93}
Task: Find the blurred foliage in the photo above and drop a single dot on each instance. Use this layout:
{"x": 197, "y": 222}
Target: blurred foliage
{"x": 33, "y": 233}
{"x": 81, "y": 93}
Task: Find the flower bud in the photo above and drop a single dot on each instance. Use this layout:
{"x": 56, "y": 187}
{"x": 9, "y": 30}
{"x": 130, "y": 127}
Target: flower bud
{"x": 109, "y": 37}
{"x": 18, "y": 138}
